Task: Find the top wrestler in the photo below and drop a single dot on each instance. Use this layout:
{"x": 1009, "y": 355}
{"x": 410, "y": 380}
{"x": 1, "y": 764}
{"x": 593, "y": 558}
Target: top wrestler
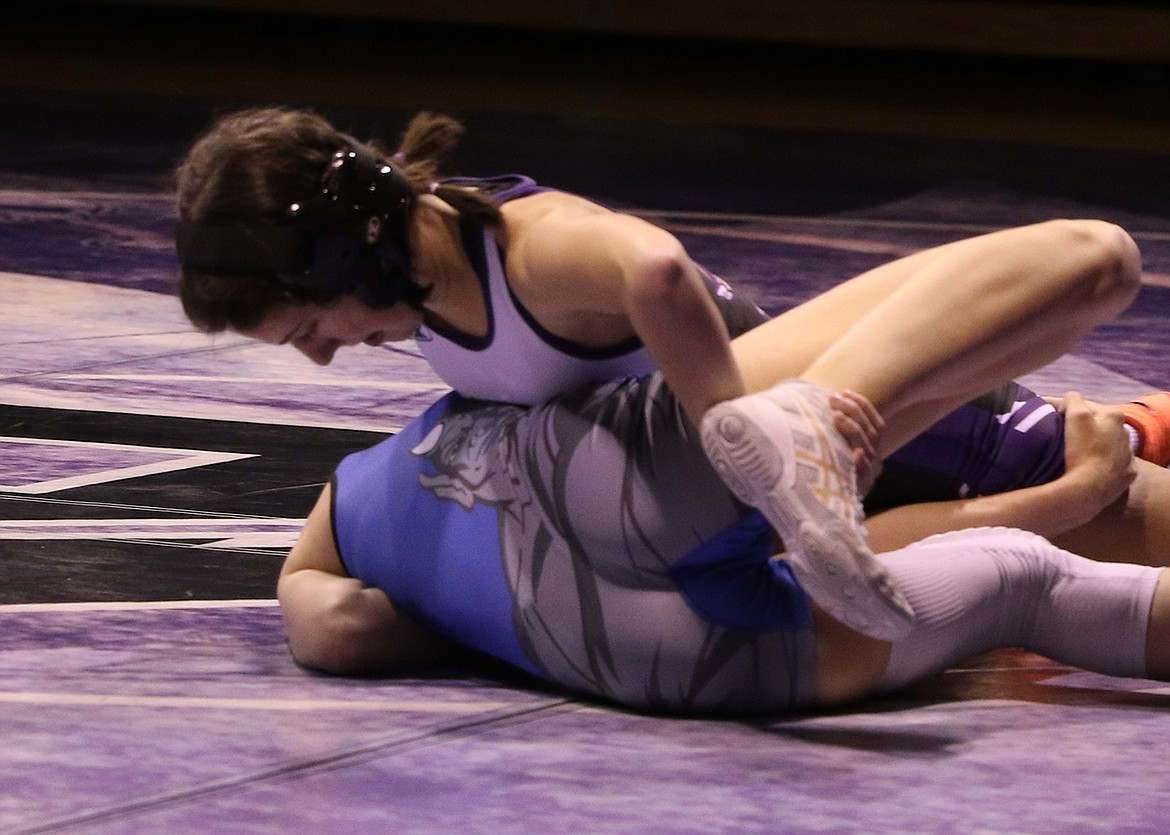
{"x": 293, "y": 232}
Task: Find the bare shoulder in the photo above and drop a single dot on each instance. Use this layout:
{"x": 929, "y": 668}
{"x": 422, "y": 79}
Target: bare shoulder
{"x": 316, "y": 548}
{"x": 555, "y": 206}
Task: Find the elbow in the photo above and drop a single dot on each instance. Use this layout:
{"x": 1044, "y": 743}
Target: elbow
{"x": 336, "y": 625}
{"x": 333, "y": 658}
{"x": 321, "y": 625}
{"x": 660, "y": 272}
{"x": 324, "y": 650}
{"x": 327, "y": 650}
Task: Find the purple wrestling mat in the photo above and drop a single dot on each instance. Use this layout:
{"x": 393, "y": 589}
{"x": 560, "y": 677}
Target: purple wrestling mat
{"x": 151, "y": 479}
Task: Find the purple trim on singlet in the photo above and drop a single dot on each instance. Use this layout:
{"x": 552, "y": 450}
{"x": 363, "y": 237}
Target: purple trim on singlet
{"x": 502, "y": 187}
{"x": 471, "y": 235}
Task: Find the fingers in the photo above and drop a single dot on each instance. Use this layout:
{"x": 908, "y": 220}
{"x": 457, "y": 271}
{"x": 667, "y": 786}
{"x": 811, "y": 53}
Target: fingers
{"x": 1076, "y": 399}
{"x": 860, "y": 424}
{"x": 853, "y": 434}
{"x": 1108, "y": 418}
{"x": 858, "y": 409}
{"x": 1095, "y": 439}
{"x": 858, "y": 421}
{"x": 866, "y": 409}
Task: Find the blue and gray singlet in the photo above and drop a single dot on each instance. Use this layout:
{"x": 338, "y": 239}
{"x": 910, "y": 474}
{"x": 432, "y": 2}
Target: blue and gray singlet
{"x": 589, "y": 542}
{"x": 586, "y": 541}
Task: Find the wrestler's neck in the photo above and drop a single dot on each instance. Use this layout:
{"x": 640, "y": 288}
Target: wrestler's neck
{"x": 439, "y": 261}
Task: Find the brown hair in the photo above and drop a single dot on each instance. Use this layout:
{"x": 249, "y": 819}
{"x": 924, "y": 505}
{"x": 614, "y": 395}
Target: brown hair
{"x": 253, "y": 164}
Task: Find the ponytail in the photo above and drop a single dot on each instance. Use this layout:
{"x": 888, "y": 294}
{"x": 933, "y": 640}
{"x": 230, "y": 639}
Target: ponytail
{"x": 425, "y": 145}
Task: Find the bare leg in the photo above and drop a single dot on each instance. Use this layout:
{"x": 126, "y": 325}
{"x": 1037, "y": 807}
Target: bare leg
{"x": 924, "y": 334}
{"x": 849, "y": 664}
{"x": 1134, "y": 529}
{"x": 918, "y": 337}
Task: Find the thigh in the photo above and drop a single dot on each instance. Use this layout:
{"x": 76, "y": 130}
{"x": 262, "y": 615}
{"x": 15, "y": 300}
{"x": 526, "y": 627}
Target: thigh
{"x": 786, "y": 345}
{"x": 849, "y": 665}
{"x": 923, "y": 334}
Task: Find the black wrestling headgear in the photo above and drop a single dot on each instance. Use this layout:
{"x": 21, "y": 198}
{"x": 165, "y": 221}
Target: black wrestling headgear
{"x": 350, "y": 237}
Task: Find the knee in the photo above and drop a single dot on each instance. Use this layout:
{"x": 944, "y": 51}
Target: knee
{"x": 1110, "y": 261}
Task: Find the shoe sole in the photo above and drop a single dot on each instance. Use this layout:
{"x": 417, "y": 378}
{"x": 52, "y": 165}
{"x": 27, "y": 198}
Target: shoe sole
{"x": 831, "y": 558}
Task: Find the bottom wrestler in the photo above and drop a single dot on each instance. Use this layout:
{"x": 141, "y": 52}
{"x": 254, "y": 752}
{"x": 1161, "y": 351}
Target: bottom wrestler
{"x": 590, "y": 542}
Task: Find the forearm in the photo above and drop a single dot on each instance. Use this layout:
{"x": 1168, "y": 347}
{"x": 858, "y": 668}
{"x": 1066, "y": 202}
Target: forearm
{"x": 338, "y": 625}
{"x": 1047, "y": 509}
{"x": 678, "y": 322}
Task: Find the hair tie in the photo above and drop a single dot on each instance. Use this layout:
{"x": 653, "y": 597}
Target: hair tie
{"x": 433, "y": 187}
{"x": 400, "y": 156}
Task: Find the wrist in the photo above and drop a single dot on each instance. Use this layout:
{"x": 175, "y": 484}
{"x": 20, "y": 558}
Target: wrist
{"x": 1079, "y": 495}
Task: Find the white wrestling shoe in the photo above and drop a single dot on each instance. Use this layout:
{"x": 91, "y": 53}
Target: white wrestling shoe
{"x": 779, "y": 451}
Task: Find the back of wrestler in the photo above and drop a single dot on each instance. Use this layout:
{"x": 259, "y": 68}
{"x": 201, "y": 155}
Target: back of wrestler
{"x": 587, "y": 541}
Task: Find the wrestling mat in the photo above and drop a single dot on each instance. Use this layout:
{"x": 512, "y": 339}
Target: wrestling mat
{"x": 151, "y": 479}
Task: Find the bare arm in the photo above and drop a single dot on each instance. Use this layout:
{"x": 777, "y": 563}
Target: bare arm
{"x": 334, "y": 622}
{"x": 579, "y": 263}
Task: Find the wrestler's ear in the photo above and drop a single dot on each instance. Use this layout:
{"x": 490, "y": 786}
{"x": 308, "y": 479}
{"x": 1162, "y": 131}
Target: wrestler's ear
{"x": 428, "y": 443}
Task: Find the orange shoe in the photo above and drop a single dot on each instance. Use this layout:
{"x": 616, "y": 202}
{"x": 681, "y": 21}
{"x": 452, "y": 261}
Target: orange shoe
{"x": 1150, "y": 417}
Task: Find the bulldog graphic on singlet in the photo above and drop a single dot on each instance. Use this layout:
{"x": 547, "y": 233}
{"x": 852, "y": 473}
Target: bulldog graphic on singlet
{"x": 587, "y": 544}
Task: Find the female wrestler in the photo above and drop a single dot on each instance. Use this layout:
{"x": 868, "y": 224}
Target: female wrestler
{"x": 497, "y": 527}
{"x": 517, "y": 292}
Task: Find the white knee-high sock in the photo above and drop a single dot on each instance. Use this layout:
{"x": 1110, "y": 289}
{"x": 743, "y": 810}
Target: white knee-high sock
{"x": 990, "y": 588}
